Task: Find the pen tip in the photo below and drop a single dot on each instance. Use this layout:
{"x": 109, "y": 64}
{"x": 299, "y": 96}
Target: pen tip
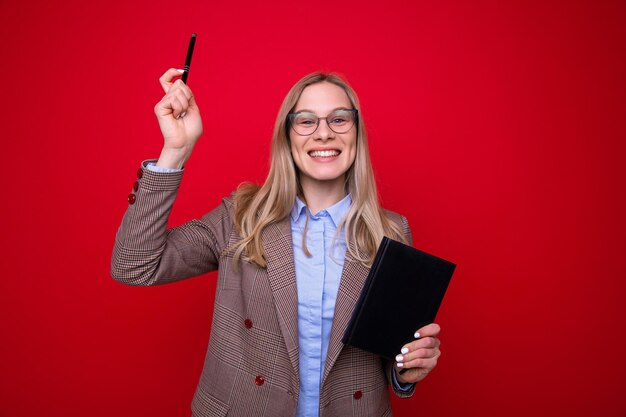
{"x": 193, "y": 34}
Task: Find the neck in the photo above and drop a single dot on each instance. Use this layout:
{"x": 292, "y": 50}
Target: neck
{"x": 320, "y": 195}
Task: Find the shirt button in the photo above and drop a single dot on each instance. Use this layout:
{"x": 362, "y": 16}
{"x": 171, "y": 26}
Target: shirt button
{"x": 357, "y": 395}
{"x": 139, "y": 173}
{"x": 259, "y": 380}
{"x": 136, "y": 186}
{"x": 131, "y": 198}
{"x": 248, "y": 323}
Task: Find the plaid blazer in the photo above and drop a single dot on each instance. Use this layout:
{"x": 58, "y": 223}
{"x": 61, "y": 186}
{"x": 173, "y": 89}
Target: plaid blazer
{"x": 251, "y": 366}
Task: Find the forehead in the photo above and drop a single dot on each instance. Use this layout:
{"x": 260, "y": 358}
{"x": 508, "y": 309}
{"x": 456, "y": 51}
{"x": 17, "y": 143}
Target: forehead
{"x": 323, "y": 97}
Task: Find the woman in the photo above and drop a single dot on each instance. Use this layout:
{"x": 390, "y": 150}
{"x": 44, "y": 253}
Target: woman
{"x": 292, "y": 256}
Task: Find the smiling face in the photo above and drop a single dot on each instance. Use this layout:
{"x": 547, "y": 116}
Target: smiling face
{"x": 323, "y": 157}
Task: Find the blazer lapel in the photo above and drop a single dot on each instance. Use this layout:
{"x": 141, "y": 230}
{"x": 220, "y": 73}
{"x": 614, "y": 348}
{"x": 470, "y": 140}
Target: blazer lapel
{"x": 281, "y": 273}
{"x": 352, "y": 279}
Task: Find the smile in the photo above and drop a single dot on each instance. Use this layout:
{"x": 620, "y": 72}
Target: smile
{"x": 324, "y": 154}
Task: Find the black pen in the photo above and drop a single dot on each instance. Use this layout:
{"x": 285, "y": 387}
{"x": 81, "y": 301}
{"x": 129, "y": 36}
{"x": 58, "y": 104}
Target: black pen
{"x": 192, "y": 42}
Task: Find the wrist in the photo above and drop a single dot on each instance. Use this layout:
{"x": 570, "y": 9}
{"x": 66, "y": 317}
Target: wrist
{"x": 173, "y": 158}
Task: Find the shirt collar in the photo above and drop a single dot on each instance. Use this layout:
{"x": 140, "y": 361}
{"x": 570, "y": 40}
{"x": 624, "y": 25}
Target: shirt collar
{"x": 336, "y": 212}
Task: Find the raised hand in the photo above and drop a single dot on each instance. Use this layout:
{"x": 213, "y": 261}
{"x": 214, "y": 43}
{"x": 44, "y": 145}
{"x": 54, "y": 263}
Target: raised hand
{"x": 179, "y": 120}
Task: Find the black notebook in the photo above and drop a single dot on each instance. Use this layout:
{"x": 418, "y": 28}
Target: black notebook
{"x": 402, "y": 293}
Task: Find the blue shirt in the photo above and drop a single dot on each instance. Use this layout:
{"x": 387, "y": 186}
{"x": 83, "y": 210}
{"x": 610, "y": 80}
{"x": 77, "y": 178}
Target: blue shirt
{"x": 317, "y": 280}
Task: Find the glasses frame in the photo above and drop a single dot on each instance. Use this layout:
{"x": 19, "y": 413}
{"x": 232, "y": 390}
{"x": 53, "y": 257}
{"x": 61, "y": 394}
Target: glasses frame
{"x": 291, "y": 116}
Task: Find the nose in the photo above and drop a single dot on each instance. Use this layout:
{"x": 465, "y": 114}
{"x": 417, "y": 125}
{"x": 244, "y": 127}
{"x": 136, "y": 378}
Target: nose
{"x": 324, "y": 132}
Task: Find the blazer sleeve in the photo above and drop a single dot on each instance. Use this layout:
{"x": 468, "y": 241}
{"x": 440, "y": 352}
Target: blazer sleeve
{"x": 146, "y": 252}
{"x": 404, "y": 224}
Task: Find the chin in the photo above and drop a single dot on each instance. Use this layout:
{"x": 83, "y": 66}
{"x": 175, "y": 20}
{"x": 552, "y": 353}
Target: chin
{"x": 326, "y": 176}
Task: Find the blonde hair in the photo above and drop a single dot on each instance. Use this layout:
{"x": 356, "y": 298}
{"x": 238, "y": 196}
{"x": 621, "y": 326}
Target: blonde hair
{"x": 256, "y": 207}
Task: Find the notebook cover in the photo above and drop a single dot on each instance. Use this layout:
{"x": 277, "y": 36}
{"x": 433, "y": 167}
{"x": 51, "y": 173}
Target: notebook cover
{"x": 402, "y": 293}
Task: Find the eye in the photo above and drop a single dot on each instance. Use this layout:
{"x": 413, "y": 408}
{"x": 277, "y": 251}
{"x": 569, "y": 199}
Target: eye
{"x": 340, "y": 117}
{"x": 305, "y": 120}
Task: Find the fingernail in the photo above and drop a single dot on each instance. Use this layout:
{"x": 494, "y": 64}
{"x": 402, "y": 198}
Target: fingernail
{"x": 181, "y": 71}
{"x": 404, "y": 350}
{"x": 400, "y": 364}
{"x": 417, "y": 335}
{"x": 183, "y": 114}
{"x": 399, "y": 358}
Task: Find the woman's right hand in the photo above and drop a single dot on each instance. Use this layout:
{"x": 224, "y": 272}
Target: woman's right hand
{"x": 179, "y": 120}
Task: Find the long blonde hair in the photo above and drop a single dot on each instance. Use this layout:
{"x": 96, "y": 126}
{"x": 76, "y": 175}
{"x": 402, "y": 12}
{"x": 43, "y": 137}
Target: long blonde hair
{"x": 257, "y": 207}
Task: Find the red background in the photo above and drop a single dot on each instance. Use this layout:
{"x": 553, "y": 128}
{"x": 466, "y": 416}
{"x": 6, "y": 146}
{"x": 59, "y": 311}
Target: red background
{"x": 498, "y": 128}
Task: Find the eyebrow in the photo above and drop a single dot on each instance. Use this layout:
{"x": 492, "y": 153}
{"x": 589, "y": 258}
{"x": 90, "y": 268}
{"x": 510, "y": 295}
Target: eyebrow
{"x": 311, "y": 111}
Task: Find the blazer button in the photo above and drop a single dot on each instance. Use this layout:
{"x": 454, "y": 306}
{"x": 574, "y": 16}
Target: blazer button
{"x": 357, "y": 395}
{"x": 259, "y": 380}
{"x": 131, "y": 198}
{"x": 248, "y": 323}
{"x": 139, "y": 173}
{"x": 136, "y": 186}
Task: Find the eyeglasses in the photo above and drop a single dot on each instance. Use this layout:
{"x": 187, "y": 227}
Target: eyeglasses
{"x": 339, "y": 121}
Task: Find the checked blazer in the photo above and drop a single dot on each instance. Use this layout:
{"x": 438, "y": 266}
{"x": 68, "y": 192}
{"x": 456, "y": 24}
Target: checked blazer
{"x": 251, "y": 365}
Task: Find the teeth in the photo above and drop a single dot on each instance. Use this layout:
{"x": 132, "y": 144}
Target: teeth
{"x": 323, "y": 154}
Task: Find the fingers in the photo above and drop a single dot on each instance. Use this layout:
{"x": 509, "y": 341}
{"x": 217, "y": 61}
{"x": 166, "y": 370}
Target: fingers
{"x": 422, "y": 343}
{"x": 423, "y": 352}
{"x": 426, "y": 337}
{"x": 171, "y": 105}
{"x": 176, "y": 102}
{"x": 427, "y": 363}
{"x": 423, "y": 348}
{"x": 431, "y": 329}
{"x": 416, "y": 358}
{"x": 167, "y": 78}
{"x": 179, "y": 88}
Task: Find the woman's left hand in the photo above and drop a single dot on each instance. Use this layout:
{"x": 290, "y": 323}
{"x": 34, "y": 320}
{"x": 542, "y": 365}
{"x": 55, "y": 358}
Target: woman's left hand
{"x": 420, "y": 356}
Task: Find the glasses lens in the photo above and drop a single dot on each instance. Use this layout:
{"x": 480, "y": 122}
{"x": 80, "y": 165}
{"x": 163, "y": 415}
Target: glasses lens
{"x": 340, "y": 121}
{"x": 304, "y": 123}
